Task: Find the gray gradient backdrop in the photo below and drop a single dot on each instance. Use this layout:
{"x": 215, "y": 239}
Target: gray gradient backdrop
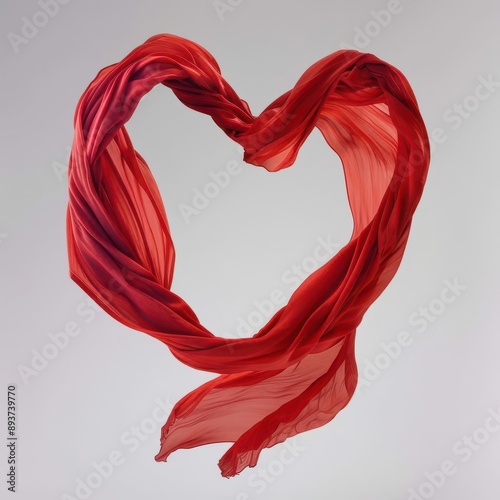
{"x": 102, "y": 393}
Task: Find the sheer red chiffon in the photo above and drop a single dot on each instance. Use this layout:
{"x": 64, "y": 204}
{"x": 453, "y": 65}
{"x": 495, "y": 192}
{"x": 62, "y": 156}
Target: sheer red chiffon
{"x": 299, "y": 370}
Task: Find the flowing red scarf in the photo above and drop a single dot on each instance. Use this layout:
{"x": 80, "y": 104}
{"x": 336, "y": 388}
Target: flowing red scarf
{"x": 299, "y": 370}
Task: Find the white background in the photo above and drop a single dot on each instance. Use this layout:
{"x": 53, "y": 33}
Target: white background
{"x": 417, "y": 409}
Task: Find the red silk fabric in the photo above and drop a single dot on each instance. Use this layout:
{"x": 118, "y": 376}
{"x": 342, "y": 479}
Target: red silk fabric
{"x": 299, "y": 370}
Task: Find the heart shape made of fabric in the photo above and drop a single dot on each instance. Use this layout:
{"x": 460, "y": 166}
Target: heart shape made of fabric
{"x": 298, "y": 371}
